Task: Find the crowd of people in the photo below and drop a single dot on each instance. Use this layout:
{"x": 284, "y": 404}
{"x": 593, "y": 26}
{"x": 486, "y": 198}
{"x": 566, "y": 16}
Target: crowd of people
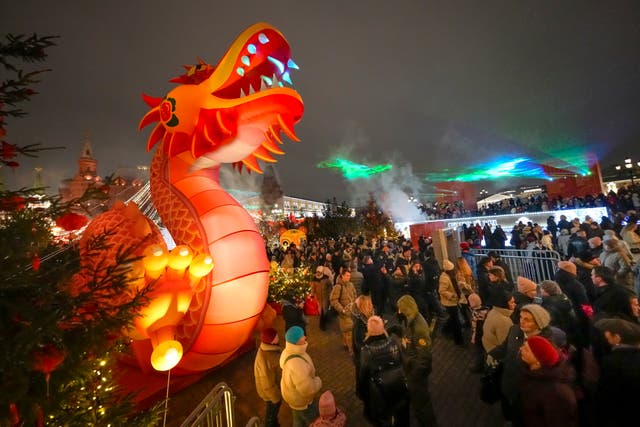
{"x": 626, "y": 198}
{"x": 565, "y": 351}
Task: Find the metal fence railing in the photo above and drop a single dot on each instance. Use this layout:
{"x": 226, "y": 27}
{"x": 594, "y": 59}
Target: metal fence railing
{"x": 216, "y": 409}
{"x": 536, "y": 265}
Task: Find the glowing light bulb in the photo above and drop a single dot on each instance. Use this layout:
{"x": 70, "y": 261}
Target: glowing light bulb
{"x": 201, "y": 265}
{"x": 180, "y": 257}
{"x": 155, "y": 260}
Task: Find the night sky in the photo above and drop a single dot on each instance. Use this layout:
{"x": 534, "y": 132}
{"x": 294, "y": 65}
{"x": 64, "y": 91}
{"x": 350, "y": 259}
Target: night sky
{"x": 424, "y": 85}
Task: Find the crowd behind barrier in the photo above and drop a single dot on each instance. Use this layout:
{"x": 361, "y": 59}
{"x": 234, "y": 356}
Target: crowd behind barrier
{"x": 554, "y": 306}
{"x": 627, "y": 198}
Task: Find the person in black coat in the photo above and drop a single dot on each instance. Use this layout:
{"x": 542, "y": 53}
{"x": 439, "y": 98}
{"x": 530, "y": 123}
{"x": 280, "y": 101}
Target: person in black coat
{"x": 431, "y": 272}
{"x": 417, "y": 287}
{"x": 293, "y": 314}
{"x": 567, "y": 278}
{"x": 373, "y": 283}
{"x": 619, "y": 385}
{"x": 499, "y": 262}
{"x": 484, "y": 284}
{"x": 385, "y": 404}
{"x": 559, "y": 307}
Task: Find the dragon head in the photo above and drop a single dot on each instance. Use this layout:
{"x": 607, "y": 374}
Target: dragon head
{"x": 233, "y": 112}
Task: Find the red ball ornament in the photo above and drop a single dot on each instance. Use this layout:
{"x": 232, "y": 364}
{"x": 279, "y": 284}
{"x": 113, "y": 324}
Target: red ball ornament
{"x": 8, "y": 151}
{"x": 72, "y": 221}
{"x": 46, "y": 359}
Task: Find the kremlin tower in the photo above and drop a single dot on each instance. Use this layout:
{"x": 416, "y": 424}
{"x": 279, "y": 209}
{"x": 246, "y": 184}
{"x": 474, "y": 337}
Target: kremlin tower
{"x": 121, "y": 185}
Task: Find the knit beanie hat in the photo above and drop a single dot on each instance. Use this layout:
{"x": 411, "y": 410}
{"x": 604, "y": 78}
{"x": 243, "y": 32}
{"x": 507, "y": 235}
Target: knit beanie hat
{"x": 294, "y": 334}
{"x": 375, "y": 326}
{"x": 268, "y": 335}
{"x": 525, "y": 285}
{"x": 568, "y": 266}
{"x": 327, "y": 405}
{"x": 543, "y": 350}
{"x": 551, "y": 287}
{"x": 447, "y": 265}
{"x": 540, "y": 315}
{"x": 464, "y": 246}
{"x": 474, "y": 300}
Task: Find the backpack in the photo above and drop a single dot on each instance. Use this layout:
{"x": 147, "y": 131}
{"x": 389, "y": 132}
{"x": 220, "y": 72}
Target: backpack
{"x": 388, "y": 384}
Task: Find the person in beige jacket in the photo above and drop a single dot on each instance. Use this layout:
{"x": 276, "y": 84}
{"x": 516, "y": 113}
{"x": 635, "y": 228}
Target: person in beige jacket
{"x": 452, "y": 288}
{"x": 343, "y": 296}
{"x": 267, "y": 373}
{"x": 299, "y": 383}
{"x": 498, "y": 321}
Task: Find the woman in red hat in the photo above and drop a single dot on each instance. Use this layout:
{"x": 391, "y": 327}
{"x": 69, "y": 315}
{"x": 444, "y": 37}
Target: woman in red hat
{"x": 547, "y": 394}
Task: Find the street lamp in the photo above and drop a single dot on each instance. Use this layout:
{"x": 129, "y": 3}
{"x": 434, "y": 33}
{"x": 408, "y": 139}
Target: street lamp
{"x": 628, "y": 165}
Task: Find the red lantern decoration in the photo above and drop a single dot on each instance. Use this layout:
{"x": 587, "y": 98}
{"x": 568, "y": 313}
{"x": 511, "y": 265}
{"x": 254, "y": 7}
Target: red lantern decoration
{"x": 72, "y": 221}
{"x": 35, "y": 263}
{"x": 47, "y": 359}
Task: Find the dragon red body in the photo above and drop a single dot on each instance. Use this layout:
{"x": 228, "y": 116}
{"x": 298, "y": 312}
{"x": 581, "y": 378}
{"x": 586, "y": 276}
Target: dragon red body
{"x": 234, "y": 112}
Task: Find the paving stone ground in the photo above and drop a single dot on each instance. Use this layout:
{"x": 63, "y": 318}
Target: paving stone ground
{"x": 454, "y": 389}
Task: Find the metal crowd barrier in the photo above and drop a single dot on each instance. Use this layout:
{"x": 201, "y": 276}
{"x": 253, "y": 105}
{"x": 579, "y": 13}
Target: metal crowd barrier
{"x": 536, "y": 265}
{"x": 216, "y": 409}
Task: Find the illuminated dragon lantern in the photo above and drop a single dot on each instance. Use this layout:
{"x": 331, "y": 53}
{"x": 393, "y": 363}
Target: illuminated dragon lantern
{"x": 234, "y": 112}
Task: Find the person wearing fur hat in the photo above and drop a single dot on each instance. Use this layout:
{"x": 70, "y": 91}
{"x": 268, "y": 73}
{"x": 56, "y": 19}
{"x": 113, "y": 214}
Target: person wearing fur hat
{"x": 299, "y": 383}
{"x": 534, "y": 320}
{"x": 417, "y": 358}
{"x": 618, "y": 388}
{"x": 267, "y": 373}
{"x": 385, "y": 397}
{"x": 330, "y": 414}
{"x": 548, "y": 396}
{"x": 451, "y": 288}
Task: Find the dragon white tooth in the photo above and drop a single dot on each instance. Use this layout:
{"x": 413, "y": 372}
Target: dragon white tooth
{"x": 251, "y": 90}
{"x": 263, "y": 85}
{"x": 242, "y": 94}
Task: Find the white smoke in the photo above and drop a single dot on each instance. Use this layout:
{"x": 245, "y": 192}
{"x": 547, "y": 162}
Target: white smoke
{"x": 396, "y": 190}
{"x": 231, "y": 180}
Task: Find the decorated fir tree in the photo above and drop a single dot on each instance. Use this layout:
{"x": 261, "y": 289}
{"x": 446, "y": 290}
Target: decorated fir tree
{"x": 60, "y": 337}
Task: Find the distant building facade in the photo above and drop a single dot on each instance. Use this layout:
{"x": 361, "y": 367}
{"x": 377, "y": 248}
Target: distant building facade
{"x": 123, "y": 184}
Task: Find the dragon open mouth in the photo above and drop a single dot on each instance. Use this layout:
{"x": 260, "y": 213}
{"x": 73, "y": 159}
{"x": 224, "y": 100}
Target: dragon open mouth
{"x": 262, "y": 63}
{"x": 235, "y": 111}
